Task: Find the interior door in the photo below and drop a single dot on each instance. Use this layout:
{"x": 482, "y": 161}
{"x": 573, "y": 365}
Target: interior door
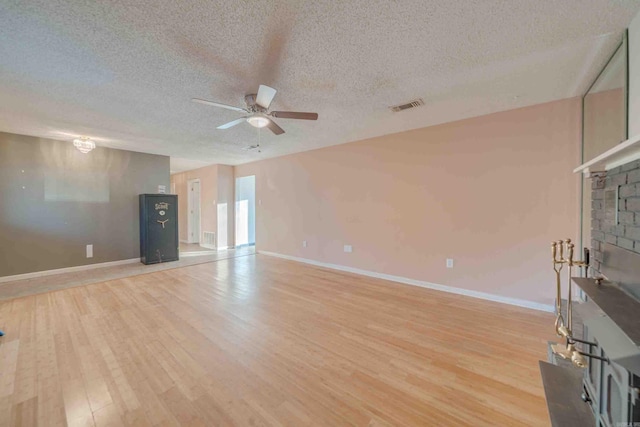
{"x": 194, "y": 212}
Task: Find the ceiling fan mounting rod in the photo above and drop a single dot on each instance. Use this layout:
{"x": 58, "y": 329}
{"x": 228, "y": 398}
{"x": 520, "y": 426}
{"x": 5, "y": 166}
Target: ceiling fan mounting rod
{"x": 252, "y": 107}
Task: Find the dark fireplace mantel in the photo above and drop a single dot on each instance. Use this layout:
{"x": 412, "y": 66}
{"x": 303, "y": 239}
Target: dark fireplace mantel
{"x": 616, "y": 304}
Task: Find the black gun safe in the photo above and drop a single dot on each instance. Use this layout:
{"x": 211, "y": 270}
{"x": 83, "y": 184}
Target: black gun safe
{"x": 158, "y": 228}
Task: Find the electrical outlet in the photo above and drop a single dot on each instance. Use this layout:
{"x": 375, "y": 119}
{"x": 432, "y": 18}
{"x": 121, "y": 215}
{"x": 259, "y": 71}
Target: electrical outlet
{"x": 304, "y": 243}
{"x": 89, "y": 251}
{"x": 449, "y": 262}
{"x": 348, "y": 248}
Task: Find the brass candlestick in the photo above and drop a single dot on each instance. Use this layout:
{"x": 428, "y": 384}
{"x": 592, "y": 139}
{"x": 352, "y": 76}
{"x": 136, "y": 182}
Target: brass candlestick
{"x": 557, "y": 267}
{"x": 565, "y": 330}
{"x": 569, "y": 293}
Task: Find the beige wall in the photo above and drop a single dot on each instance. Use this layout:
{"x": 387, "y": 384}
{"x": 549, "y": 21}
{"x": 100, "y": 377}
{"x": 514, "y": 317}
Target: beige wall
{"x": 490, "y": 192}
{"x": 217, "y": 183}
{"x": 208, "y": 177}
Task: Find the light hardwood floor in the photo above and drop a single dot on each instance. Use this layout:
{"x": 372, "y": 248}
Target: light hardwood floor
{"x": 262, "y": 341}
{"x": 55, "y": 282}
{"x": 193, "y": 247}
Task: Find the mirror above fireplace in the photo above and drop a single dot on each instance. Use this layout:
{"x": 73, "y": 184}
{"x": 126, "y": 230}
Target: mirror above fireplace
{"x": 604, "y": 122}
{"x": 604, "y": 106}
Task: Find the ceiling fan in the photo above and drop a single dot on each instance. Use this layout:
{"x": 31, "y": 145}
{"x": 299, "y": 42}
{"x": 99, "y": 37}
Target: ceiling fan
{"x": 257, "y": 110}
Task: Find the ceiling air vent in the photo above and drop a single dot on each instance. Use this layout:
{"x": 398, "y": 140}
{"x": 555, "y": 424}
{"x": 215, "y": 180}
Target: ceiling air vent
{"x": 413, "y": 104}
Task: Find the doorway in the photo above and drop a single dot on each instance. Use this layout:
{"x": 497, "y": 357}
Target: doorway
{"x": 193, "y": 217}
{"x": 246, "y": 211}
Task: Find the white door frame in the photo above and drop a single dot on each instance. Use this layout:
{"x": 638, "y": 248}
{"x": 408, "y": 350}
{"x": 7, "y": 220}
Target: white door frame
{"x": 189, "y": 214}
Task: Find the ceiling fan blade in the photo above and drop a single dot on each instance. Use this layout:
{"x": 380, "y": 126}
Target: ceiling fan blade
{"x": 273, "y": 127}
{"x": 265, "y": 96}
{"x": 233, "y": 123}
{"x": 217, "y": 104}
{"x": 294, "y": 115}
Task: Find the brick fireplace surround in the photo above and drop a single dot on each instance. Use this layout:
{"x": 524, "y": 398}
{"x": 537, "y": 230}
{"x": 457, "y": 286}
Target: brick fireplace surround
{"x": 626, "y": 234}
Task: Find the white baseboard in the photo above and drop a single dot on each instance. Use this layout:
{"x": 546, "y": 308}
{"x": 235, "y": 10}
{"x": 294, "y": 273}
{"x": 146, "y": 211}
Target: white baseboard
{"x": 67, "y": 270}
{"x": 184, "y": 241}
{"x": 246, "y": 245}
{"x": 466, "y": 292}
{"x": 195, "y": 253}
{"x": 204, "y": 245}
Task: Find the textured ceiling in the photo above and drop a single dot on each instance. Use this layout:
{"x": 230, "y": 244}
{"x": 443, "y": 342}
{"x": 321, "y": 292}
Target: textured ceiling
{"x": 123, "y": 72}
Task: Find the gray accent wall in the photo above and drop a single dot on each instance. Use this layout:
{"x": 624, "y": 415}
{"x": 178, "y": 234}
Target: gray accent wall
{"x": 55, "y": 200}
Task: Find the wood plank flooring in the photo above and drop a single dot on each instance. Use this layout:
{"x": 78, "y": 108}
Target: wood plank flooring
{"x": 19, "y": 288}
{"x": 256, "y": 341}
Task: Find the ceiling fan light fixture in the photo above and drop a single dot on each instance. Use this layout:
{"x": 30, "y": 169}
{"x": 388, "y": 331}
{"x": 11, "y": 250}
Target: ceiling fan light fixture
{"x": 84, "y": 144}
{"x": 258, "y": 121}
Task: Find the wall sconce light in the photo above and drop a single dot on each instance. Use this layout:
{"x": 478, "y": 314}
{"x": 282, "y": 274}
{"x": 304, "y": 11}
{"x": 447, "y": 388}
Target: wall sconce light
{"x": 84, "y": 144}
